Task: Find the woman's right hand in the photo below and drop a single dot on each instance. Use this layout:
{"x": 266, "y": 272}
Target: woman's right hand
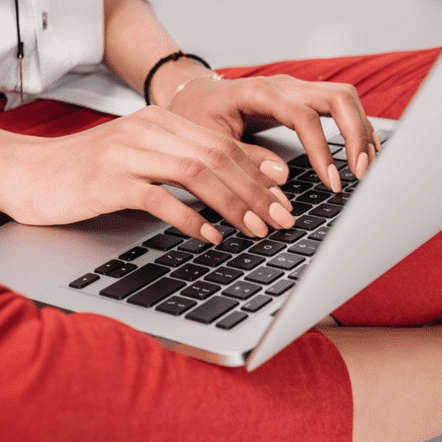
{"x": 121, "y": 165}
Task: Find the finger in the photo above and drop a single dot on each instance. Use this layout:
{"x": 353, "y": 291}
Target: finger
{"x": 273, "y": 171}
{"x": 342, "y": 103}
{"x": 263, "y": 98}
{"x": 160, "y": 203}
{"x": 229, "y": 168}
{"x": 194, "y": 176}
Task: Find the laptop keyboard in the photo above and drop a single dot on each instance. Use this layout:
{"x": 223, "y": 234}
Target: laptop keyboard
{"x": 226, "y": 284}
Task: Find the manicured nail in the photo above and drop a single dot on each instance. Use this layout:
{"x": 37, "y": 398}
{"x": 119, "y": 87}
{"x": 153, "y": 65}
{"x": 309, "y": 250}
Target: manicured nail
{"x": 377, "y": 141}
{"x": 372, "y": 153}
{"x": 255, "y": 224}
{"x": 362, "y": 165}
{"x": 211, "y": 234}
{"x": 278, "y": 172}
{"x": 334, "y": 179}
{"x": 281, "y": 216}
{"x": 280, "y": 195}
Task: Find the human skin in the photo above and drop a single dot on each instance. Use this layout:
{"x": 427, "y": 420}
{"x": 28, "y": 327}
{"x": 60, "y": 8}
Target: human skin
{"x": 394, "y": 373}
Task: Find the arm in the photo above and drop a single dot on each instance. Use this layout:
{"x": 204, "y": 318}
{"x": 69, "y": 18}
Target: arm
{"x": 135, "y": 41}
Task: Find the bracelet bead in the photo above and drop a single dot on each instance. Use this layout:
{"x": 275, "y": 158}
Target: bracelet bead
{"x": 172, "y": 57}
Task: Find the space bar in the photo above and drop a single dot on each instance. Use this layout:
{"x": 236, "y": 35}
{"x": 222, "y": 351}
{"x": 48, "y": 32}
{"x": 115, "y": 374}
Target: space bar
{"x": 134, "y": 281}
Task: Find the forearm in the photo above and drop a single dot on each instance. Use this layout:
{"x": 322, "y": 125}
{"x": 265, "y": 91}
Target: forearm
{"x": 135, "y": 41}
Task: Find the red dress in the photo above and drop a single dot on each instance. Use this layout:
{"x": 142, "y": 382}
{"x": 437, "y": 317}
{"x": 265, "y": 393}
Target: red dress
{"x": 84, "y": 377}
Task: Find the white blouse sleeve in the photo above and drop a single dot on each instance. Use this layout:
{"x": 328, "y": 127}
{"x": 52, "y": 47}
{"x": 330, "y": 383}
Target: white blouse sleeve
{"x": 58, "y": 36}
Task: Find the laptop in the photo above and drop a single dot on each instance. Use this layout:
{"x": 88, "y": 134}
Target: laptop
{"x": 242, "y": 302}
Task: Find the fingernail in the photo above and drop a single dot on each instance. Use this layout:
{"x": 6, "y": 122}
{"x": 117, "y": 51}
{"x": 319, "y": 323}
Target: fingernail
{"x": 211, "y": 234}
{"x": 362, "y": 165}
{"x": 372, "y": 153}
{"x": 334, "y": 179}
{"x": 278, "y": 172}
{"x": 377, "y": 141}
{"x": 280, "y": 195}
{"x": 255, "y": 224}
{"x": 281, "y": 216}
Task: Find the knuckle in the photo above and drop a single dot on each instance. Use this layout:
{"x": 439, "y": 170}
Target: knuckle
{"x": 262, "y": 88}
{"x": 310, "y": 117}
{"x": 216, "y": 159}
{"x": 154, "y": 196}
{"x": 227, "y": 145}
{"x": 189, "y": 220}
{"x": 347, "y": 94}
{"x": 190, "y": 168}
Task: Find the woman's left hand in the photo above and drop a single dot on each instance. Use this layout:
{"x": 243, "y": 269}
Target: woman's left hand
{"x": 233, "y": 107}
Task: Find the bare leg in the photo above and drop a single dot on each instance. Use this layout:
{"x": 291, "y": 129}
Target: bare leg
{"x": 396, "y": 377}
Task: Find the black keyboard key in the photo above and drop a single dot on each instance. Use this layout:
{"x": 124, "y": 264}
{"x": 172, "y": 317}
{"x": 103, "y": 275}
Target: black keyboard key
{"x": 299, "y": 208}
{"x": 231, "y": 320}
{"x": 176, "y": 232}
{"x": 162, "y": 242}
{"x": 294, "y": 172}
{"x": 264, "y": 275}
{"x": 189, "y": 272}
{"x": 312, "y": 197}
{"x": 340, "y": 199}
{"x": 296, "y": 187}
{"x": 305, "y": 247}
{"x": 133, "y": 254}
{"x": 210, "y": 215}
{"x": 267, "y": 248}
{"x": 122, "y": 271}
{"x": 300, "y": 161}
{"x": 280, "y": 287}
{"x": 176, "y": 305}
{"x": 195, "y": 246}
{"x": 286, "y": 261}
{"x": 308, "y": 222}
{"x": 212, "y": 258}
{"x": 242, "y": 290}
{"x": 326, "y": 210}
{"x": 319, "y": 234}
{"x": 256, "y": 303}
{"x": 346, "y": 175}
{"x": 288, "y": 236}
{"x": 352, "y": 188}
{"x": 174, "y": 258}
{"x": 298, "y": 272}
{"x": 246, "y": 261}
{"x": 156, "y": 292}
{"x": 322, "y": 188}
{"x": 200, "y": 290}
{"x": 309, "y": 176}
{"x": 340, "y": 164}
{"x": 223, "y": 275}
{"x": 234, "y": 245}
{"x": 109, "y": 267}
{"x": 84, "y": 281}
{"x": 212, "y": 309}
{"x": 225, "y": 231}
{"x": 134, "y": 281}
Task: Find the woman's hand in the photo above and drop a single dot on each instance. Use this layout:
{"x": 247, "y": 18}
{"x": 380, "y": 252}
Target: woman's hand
{"x": 232, "y": 107}
{"x": 120, "y": 165}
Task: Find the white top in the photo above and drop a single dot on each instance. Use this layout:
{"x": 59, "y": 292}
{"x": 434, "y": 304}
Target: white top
{"x": 63, "y": 49}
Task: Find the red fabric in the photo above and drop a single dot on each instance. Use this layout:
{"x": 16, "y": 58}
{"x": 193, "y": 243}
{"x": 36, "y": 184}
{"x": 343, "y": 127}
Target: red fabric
{"x": 86, "y": 377}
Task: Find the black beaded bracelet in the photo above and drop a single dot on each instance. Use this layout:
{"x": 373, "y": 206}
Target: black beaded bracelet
{"x": 175, "y": 56}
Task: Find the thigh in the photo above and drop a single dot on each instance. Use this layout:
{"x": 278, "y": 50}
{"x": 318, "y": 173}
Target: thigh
{"x": 87, "y": 377}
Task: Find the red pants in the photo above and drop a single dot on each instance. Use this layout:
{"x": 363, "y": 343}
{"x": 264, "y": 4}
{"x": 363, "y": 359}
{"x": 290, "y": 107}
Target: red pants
{"x": 85, "y": 377}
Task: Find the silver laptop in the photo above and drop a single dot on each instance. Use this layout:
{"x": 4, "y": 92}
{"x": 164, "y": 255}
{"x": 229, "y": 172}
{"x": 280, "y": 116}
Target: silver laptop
{"x": 242, "y": 302}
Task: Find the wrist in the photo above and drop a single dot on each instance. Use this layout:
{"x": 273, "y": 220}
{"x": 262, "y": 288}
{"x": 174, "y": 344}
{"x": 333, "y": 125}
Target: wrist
{"x": 172, "y": 75}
